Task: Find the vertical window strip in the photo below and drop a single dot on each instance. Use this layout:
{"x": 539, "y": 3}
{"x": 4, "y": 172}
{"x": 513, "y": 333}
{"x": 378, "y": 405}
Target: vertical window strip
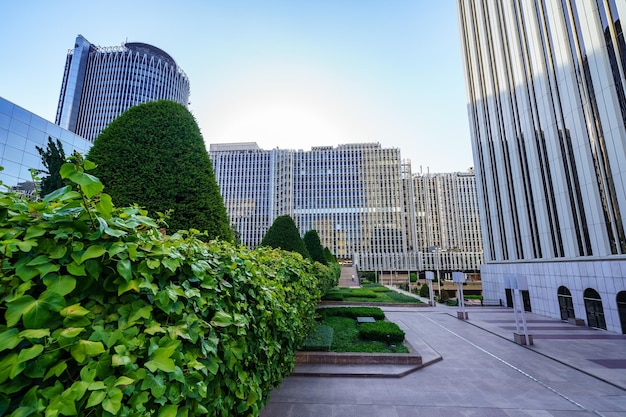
{"x": 474, "y": 117}
{"x": 570, "y": 175}
{"x": 606, "y": 187}
{"x": 519, "y": 140}
{"x": 614, "y": 52}
{"x": 529, "y": 83}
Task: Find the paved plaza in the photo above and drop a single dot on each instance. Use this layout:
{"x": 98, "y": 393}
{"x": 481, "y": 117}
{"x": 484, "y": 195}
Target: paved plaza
{"x": 472, "y": 368}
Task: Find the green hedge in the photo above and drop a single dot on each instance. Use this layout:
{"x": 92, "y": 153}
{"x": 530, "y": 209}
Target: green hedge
{"x": 382, "y": 331}
{"x": 333, "y": 296}
{"x": 360, "y": 293}
{"x": 353, "y": 312}
{"x": 103, "y": 314}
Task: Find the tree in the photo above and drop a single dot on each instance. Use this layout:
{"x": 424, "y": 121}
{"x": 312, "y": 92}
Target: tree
{"x": 314, "y": 247}
{"x": 153, "y": 155}
{"x": 52, "y": 158}
{"x": 283, "y": 234}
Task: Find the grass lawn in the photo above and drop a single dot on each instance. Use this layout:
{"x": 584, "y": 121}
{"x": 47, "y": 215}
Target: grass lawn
{"x": 371, "y": 293}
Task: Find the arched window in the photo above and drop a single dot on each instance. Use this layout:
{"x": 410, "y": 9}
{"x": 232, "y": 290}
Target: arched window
{"x": 593, "y": 306}
{"x": 621, "y": 309}
{"x": 565, "y": 303}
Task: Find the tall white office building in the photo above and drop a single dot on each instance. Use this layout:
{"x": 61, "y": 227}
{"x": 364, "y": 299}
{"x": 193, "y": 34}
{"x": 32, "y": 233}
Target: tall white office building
{"x": 361, "y": 198}
{"x": 100, "y": 83}
{"x": 447, "y": 223}
{"x": 547, "y": 108}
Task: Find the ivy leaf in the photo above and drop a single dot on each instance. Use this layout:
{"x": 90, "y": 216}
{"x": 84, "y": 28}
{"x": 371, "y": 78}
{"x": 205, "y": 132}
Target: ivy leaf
{"x": 96, "y": 398}
{"x": 127, "y": 286}
{"x": 85, "y": 348}
{"x": 161, "y": 363}
{"x": 34, "y": 313}
{"x": 89, "y": 165}
{"x": 88, "y": 183}
{"x": 124, "y": 268}
{"x": 75, "y": 310}
{"x": 33, "y": 334}
{"x": 105, "y": 206}
{"x": 221, "y": 319}
{"x": 93, "y": 251}
{"x": 57, "y": 252}
{"x": 160, "y": 359}
{"x": 56, "y": 370}
{"x": 113, "y": 401}
{"x": 9, "y": 339}
{"x": 123, "y": 380}
{"x": 59, "y": 192}
{"x": 29, "y": 353}
{"x": 76, "y": 269}
{"x": 26, "y": 273}
{"x": 169, "y": 410}
{"x": 63, "y": 285}
{"x": 34, "y": 231}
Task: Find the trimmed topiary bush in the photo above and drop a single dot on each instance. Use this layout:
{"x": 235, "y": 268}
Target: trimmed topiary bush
{"x": 353, "y": 312}
{"x": 102, "y": 314}
{"x": 424, "y": 291}
{"x": 283, "y": 234}
{"x": 153, "y": 155}
{"x": 312, "y": 242}
{"x": 382, "y": 331}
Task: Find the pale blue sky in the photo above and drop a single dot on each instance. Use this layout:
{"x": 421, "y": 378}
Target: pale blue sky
{"x": 287, "y": 74}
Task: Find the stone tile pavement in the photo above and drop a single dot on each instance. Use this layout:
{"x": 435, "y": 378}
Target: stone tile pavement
{"x": 475, "y": 369}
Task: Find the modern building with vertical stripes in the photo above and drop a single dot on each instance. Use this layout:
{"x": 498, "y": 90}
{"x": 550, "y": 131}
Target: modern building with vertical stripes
{"x": 361, "y": 198}
{"x": 547, "y": 109}
{"x": 99, "y": 83}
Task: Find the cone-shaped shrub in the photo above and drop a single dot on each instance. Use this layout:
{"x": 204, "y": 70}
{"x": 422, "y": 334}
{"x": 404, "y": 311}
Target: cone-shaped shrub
{"x": 283, "y": 234}
{"x": 316, "y": 250}
{"x": 153, "y": 155}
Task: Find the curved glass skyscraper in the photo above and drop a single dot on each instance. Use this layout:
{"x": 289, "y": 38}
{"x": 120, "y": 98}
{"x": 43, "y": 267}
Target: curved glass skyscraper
{"x": 100, "y": 83}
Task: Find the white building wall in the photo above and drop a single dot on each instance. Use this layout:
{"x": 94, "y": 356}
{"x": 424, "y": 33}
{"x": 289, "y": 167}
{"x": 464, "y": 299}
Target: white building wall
{"x": 547, "y": 109}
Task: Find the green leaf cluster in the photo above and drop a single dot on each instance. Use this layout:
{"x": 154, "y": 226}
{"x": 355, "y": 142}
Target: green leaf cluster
{"x": 103, "y": 314}
{"x": 153, "y": 155}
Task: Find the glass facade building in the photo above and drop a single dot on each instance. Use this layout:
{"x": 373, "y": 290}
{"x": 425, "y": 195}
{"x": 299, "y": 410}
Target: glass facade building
{"x": 20, "y": 133}
{"x": 358, "y": 197}
{"x": 547, "y": 110}
{"x": 99, "y": 83}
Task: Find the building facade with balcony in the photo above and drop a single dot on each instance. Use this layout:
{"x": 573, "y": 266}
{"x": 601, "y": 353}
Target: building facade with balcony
{"x": 547, "y": 110}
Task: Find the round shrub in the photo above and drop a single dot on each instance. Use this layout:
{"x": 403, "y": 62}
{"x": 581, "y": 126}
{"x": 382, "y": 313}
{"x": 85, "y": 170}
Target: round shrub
{"x": 424, "y": 291}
